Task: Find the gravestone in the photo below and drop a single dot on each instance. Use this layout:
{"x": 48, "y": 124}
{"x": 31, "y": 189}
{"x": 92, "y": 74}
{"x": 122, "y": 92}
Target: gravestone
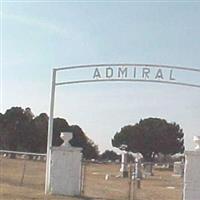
{"x": 138, "y": 168}
{"x": 124, "y": 164}
{"x": 179, "y": 168}
{"x": 192, "y": 173}
{"x": 65, "y": 177}
{"x": 148, "y": 169}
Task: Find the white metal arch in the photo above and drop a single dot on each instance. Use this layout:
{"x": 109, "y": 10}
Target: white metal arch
{"x": 105, "y": 79}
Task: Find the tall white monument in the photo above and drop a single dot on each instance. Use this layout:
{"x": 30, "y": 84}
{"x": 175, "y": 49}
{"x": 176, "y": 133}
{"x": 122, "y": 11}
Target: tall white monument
{"x": 65, "y": 177}
{"x": 192, "y": 173}
{"x": 138, "y": 166}
{"x": 124, "y": 161}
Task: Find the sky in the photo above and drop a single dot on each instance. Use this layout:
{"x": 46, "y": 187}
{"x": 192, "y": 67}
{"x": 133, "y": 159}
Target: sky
{"x": 40, "y": 35}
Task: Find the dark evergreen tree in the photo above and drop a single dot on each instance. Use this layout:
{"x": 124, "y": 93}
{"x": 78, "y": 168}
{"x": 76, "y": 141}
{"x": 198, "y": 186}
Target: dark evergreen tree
{"x": 150, "y": 137}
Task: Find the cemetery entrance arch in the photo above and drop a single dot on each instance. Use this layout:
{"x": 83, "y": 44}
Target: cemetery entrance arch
{"x": 161, "y": 74}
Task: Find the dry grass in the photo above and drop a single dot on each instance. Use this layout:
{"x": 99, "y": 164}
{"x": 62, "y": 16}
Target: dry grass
{"x": 157, "y": 187}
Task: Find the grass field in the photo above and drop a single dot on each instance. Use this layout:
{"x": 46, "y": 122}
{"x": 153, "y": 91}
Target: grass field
{"x": 161, "y": 186}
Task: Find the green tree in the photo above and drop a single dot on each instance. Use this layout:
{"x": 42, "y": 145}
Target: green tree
{"x": 16, "y": 124}
{"x": 110, "y": 155}
{"x": 90, "y": 150}
{"x": 3, "y": 134}
{"x": 36, "y": 138}
{"x": 150, "y": 137}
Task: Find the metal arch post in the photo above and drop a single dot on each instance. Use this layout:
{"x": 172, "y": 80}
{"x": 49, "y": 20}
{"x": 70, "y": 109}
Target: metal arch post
{"x": 50, "y": 133}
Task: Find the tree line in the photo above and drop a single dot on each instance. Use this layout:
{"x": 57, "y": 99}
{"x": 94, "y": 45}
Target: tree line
{"x": 20, "y": 130}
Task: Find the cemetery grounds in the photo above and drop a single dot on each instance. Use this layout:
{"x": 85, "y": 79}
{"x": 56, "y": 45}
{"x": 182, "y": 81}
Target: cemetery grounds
{"x": 22, "y": 179}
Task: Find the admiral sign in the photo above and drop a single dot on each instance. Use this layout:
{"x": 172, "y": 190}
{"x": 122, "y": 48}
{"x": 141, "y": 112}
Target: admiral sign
{"x": 122, "y": 72}
{"x": 130, "y": 72}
